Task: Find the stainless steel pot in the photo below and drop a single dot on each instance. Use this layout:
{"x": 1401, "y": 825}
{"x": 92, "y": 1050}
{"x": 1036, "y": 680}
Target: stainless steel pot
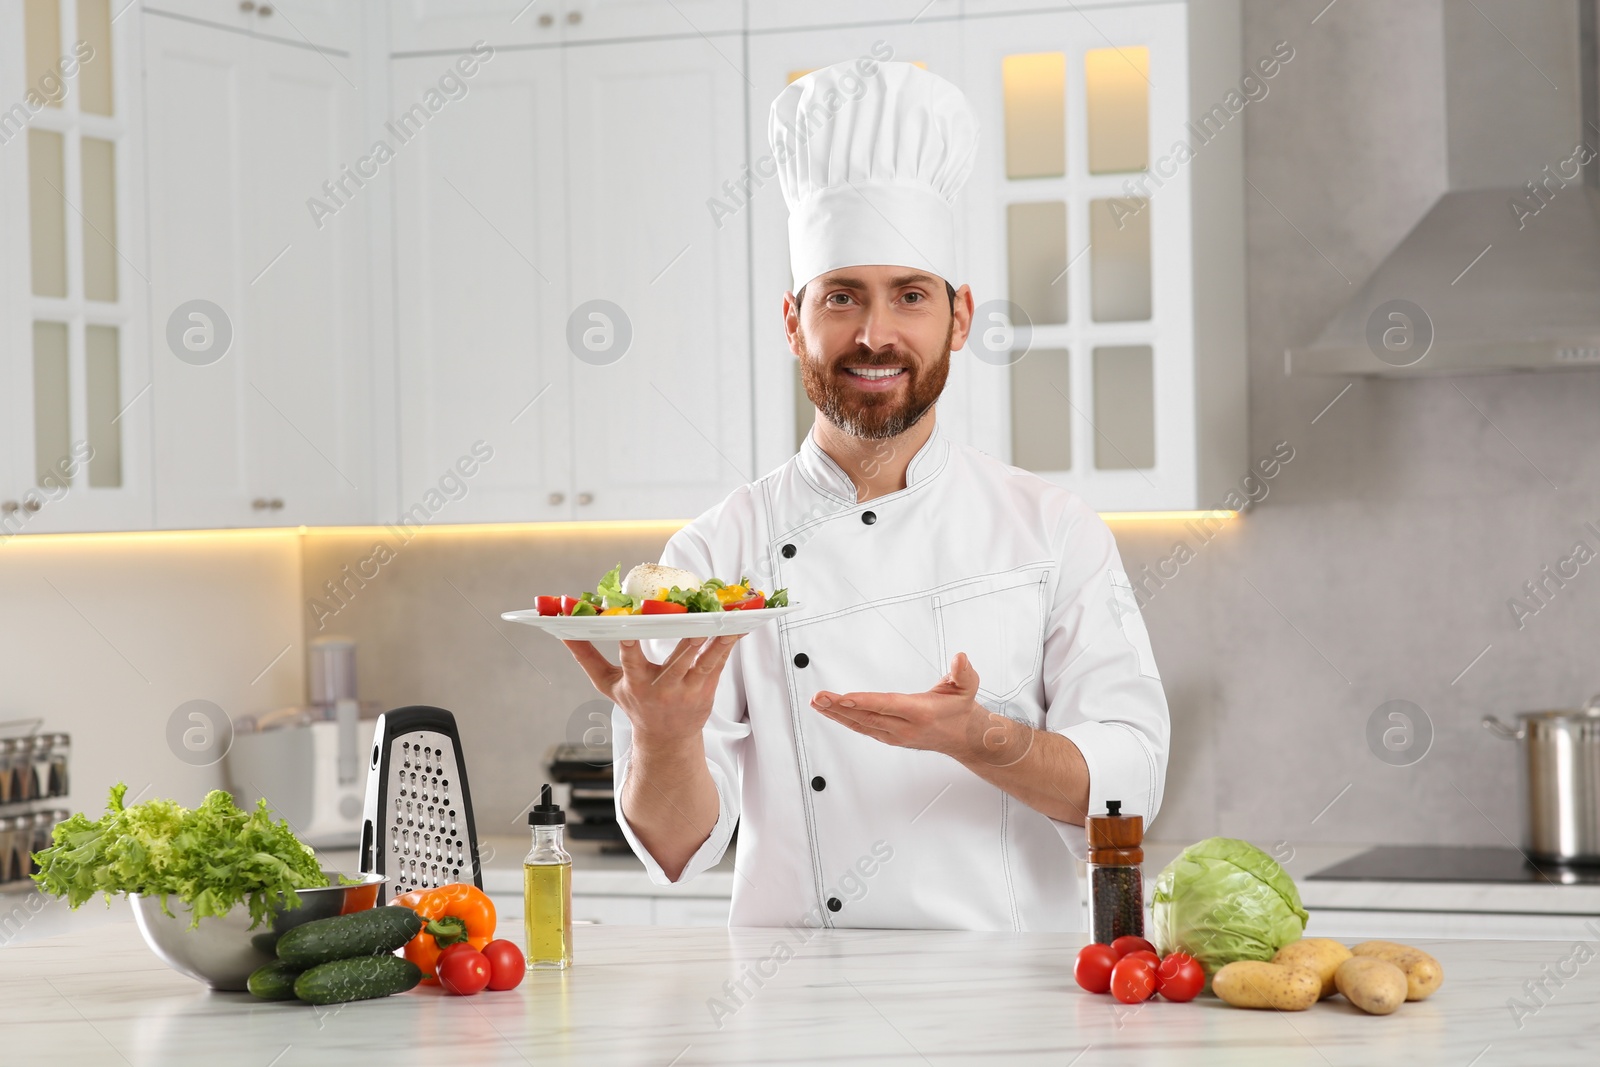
{"x": 1560, "y": 772}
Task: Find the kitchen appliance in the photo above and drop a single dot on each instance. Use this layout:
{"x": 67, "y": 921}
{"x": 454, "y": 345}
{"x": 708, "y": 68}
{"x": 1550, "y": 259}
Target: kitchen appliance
{"x": 223, "y": 950}
{"x": 417, "y": 828}
{"x": 1491, "y": 864}
{"x": 1559, "y": 771}
{"x": 309, "y": 771}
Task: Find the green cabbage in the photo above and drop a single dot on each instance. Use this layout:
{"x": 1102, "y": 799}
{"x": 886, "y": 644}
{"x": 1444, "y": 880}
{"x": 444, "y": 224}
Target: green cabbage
{"x": 1223, "y": 900}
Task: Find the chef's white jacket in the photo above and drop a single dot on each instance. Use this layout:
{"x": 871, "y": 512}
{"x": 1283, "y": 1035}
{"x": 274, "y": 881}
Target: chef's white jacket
{"x": 839, "y": 829}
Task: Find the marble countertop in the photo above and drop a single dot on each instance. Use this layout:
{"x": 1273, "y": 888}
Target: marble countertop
{"x": 668, "y": 996}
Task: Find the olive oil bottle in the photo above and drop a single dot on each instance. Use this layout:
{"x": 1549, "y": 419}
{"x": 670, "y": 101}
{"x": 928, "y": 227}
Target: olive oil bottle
{"x": 547, "y": 887}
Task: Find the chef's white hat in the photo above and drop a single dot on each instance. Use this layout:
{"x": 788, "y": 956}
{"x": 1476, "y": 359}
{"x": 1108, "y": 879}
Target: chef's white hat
{"x": 870, "y": 166}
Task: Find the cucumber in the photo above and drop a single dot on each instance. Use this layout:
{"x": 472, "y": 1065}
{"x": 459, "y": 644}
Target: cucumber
{"x": 362, "y": 978}
{"x": 373, "y": 932}
{"x": 274, "y": 981}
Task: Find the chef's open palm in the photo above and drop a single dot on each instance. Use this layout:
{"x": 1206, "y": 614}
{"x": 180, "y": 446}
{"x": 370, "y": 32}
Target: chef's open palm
{"x": 667, "y": 701}
{"x": 946, "y": 718}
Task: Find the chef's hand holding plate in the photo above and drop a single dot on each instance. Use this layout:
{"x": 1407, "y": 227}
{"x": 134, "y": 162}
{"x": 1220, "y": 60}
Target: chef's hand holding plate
{"x": 670, "y": 701}
{"x": 947, "y": 719}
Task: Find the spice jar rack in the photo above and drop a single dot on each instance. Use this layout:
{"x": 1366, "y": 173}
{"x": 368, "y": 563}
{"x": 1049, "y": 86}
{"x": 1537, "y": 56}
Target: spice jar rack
{"x": 33, "y": 771}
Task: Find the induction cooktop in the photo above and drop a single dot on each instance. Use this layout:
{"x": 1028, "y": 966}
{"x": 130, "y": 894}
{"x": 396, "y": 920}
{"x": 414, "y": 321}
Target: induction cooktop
{"x": 1451, "y": 863}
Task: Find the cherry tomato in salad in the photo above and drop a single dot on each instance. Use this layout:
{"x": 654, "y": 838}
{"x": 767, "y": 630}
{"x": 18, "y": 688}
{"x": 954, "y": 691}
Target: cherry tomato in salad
{"x": 662, "y": 607}
{"x": 1180, "y": 977}
{"x": 568, "y": 603}
{"x": 548, "y": 605}
{"x": 1133, "y": 980}
{"x": 464, "y": 972}
{"x": 1129, "y": 943}
{"x": 506, "y": 964}
{"x": 1092, "y": 971}
{"x": 749, "y": 603}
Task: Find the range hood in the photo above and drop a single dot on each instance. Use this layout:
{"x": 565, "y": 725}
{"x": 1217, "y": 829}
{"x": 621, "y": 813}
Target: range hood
{"x": 1499, "y": 274}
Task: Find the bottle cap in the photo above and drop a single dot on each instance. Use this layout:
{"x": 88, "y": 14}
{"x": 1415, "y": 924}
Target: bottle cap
{"x": 546, "y": 812}
{"x": 1114, "y": 830}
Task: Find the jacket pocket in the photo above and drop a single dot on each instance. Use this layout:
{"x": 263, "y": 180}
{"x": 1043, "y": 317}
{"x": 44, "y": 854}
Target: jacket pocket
{"x": 998, "y": 621}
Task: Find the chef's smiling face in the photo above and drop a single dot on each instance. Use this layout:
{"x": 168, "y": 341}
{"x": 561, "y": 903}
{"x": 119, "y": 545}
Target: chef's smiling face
{"x": 874, "y": 345}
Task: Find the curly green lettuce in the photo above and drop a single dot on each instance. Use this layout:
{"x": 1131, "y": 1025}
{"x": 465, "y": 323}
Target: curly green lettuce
{"x": 211, "y": 858}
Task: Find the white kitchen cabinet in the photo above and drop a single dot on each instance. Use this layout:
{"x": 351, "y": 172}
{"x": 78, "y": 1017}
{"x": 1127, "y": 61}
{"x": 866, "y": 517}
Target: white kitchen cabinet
{"x": 261, "y": 394}
{"x": 434, "y": 25}
{"x": 565, "y": 294}
{"x": 74, "y": 369}
{"x": 481, "y": 283}
{"x": 776, "y": 59}
{"x": 332, "y": 26}
{"x": 614, "y": 910}
{"x": 1123, "y": 377}
{"x": 890, "y": 16}
{"x": 663, "y": 426}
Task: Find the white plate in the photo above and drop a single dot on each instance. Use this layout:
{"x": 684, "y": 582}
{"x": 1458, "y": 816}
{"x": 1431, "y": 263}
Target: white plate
{"x": 638, "y": 627}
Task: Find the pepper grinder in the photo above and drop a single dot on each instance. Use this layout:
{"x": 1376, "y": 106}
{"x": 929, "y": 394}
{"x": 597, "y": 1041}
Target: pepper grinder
{"x": 1116, "y": 883}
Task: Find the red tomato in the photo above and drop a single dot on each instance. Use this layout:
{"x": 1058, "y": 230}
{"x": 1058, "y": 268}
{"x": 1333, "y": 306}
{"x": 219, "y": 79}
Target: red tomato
{"x": 506, "y": 965}
{"x": 749, "y": 603}
{"x": 1129, "y": 943}
{"x": 547, "y": 605}
{"x": 459, "y": 946}
{"x": 1133, "y": 980}
{"x": 464, "y": 971}
{"x": 662, "y": 607}
{"x": 1149, "y": 957}
{"x": 1093, "y": 969}
{"x": 568, "y": 603}
{"x": 1180, "y": 977}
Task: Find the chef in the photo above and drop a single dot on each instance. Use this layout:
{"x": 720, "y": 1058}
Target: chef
{"x": 968, "y": 676}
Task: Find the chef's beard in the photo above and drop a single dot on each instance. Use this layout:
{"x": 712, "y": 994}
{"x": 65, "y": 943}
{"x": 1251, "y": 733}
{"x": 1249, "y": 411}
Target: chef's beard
{"x": 873, "y": 416}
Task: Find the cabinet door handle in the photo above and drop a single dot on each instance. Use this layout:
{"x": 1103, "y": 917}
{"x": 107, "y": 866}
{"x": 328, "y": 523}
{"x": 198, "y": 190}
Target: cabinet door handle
{"x": 260, "y": 503}
{"x": 547, "y": 19}
{"x": 585, "y": 498}
{"x": 31, "y": 505}
{"x": 557, "y": 499}
{"x": 265, "y": 11}
{"x": 10, "y": 507}
{"x": 574, "y": 17}
{"x": 247, "y": 6}
{"x": 276, "y": 503}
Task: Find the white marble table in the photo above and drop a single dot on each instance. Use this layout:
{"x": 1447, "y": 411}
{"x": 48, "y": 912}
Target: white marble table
{"x": 643, "y": 995}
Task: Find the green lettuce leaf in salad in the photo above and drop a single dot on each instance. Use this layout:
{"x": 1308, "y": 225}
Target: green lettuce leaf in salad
{"x": 610, "y": 591}
{"x": 702, "y": 599}
{"x": 779, "y": 599}
{"x": 211, "y": 857}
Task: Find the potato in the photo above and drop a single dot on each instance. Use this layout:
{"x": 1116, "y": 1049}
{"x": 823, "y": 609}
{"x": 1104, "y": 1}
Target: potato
{"x": 1375, "y": 986}
{"x": 1253, "y": 984}
{"x": 1423, "y": 973}
{"x": 1320, "y": 955}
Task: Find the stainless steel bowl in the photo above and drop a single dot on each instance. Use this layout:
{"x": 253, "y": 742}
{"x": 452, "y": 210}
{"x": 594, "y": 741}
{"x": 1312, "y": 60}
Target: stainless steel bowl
{"x": 223, "y": 950}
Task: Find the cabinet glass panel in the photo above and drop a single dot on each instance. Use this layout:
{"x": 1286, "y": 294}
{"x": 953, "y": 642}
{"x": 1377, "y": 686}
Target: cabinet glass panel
{"x": 1119, "y": 259}
{"x": 1117, "y": 92}
{"x": 52, "y": 403}
{"x": 1041, "y": 411}
{"x": 48, "y": 212}
{"x": 99, "y": 219}
{"x": 103, "y": 392}
{"x": 94, "y": 76}
{"x": 42, "y": 46}
{"x": 1124, "y": 408}
{"x": 1036, "y": 259}
{"x": 1034, "y": 90}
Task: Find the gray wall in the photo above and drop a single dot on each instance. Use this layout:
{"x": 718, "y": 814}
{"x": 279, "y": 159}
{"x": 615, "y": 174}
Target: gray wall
{"x": 1378, "y": 567}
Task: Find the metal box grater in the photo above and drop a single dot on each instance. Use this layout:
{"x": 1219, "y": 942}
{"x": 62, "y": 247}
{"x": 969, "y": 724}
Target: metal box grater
{"x": 417, "y": 828}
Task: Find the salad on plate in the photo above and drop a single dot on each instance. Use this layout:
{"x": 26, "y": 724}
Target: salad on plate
{"x": 652, "y": 589}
